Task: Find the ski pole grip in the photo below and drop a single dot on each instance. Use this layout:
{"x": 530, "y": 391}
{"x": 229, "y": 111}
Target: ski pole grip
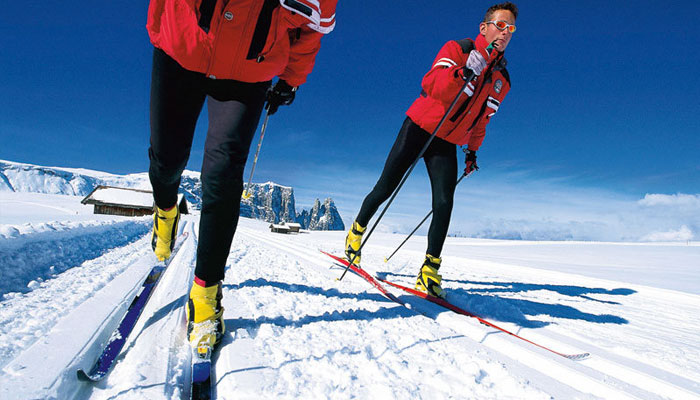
{"x": 491, "y": 50}
{"x": 491, "y": 47}
{"x": 491, "y": 53}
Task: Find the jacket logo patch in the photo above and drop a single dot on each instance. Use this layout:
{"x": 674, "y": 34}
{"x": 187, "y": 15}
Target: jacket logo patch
{"x": 498, "y": 86}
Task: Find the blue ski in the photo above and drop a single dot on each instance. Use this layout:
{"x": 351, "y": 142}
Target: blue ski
{"x": 116, "y": 342}
{"x": 201, "y": 377}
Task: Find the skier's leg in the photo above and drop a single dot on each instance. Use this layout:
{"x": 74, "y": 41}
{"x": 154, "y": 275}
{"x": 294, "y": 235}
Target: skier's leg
{"x": 408, "y": 144}
{"x": 441, "y": 161}
{"x": 177, "y": 97}
{"x": 234, "y": 110}
{"x": 232, "y": 125}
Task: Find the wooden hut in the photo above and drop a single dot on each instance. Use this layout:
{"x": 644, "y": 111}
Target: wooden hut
{"x": 294, "y": 227}
{"x": 124, "y": 201}
{"x": 279, "y": 228}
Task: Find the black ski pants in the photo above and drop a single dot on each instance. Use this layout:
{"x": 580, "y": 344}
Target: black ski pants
{"x": 440, "y": 160}
{"x": 234, "y": 108}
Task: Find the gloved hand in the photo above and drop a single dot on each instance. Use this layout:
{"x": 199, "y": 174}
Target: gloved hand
{"x": 279, "y": 95}
{"x": 476, "y": 62}
{"x": 470, "y": 162}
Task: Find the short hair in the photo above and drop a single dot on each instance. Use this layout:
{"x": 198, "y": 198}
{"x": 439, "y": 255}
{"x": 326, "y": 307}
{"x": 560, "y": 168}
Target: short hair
{"x": 502, "y": 6}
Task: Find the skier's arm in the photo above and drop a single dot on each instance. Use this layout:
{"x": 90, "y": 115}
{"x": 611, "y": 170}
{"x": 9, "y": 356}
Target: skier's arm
{"x": 492, "y": 106}
{"x": 477, "y": 136}
{"x": 305, "y": 43}
{"x": 444, "y": 79}
{"x": 301, "y": 56}
{"x": 479, "y": 131}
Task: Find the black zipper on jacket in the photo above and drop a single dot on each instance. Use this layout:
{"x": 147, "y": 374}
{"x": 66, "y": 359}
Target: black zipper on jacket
{"x": 478, "y": 117}
{"x": 206, "y": 11}
{"x": 262, "y": 29}
{"x": 475, "y": 96}
{"x": 462, "y": 108}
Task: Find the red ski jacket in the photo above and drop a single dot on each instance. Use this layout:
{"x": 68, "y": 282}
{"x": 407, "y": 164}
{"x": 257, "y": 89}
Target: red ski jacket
{"x": 245, "y": 40}
{"x": 467, "y": 122}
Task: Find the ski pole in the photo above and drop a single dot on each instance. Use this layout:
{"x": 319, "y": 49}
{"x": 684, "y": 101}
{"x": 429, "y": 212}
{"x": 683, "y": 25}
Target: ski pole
{"x": 386, "y": 259}
{"x": 247, "y": 193}
{"x": 425, "y": 147}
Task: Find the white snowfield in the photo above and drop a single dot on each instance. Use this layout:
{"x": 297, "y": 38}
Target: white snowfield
{"x": 294, "y": 331}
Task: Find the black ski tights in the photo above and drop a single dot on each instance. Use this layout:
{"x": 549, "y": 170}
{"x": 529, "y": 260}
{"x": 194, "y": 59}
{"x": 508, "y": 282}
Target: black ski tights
{"x": 177, "y": 98}
{"x": 441, "y": 161}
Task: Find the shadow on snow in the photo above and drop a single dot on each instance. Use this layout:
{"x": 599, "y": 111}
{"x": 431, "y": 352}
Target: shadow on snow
{"x": 390, "y": 312}
{"x": 485, "y": 302}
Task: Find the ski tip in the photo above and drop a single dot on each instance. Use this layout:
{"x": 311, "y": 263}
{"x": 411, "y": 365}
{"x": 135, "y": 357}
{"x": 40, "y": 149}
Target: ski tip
{"x": 578, "y": 357}
{"x": 386, "y": 260}
{"x": 84, "y": 377}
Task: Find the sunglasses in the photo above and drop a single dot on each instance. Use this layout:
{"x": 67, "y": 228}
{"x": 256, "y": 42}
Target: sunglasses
{"x": 501, "y": 25}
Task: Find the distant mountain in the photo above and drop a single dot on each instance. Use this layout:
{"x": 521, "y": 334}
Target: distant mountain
{"x": 269, "y": 201}
{"x": 275, "y": 203}
{"x": 322, "y": 217}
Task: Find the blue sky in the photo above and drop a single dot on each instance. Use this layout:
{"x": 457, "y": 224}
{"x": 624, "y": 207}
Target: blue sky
{"x": 604, "y": 98}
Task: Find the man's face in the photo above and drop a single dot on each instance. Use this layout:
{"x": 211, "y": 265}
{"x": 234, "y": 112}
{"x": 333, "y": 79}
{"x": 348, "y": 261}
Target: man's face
{"x": 491, "y": 32}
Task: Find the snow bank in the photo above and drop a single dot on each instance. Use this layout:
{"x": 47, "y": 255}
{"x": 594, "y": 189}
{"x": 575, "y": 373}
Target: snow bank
{"x": 30, "y": 253}
{"x": 27, "y": 317}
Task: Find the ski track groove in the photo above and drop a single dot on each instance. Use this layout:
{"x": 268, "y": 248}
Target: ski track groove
{"x": 597, "y": 370}
{"x": 26, "y": 259}
{"x": 75, "y": 351}
{"x": 627, "y": 365}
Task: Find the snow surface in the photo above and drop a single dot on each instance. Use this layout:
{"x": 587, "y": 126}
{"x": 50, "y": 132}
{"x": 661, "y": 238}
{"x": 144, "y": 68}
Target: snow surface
{"x": 294, "y": 331}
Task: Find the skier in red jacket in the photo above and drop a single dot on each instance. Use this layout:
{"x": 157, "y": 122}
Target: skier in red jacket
{"x": 227, "y": 53}
{"x": 465, "y": 126}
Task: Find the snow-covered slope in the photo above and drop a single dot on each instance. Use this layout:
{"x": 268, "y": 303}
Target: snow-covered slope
{"x": 296, "y": 332}
{"x": 269, "y": 201}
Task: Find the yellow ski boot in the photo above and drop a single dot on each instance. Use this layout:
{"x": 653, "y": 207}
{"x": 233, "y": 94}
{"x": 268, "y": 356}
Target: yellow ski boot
{"x": 164, "y": 231}
{"x": 205, "y": 317}
{"x": 428, "y": 278}
{"x": 353, "y": 241}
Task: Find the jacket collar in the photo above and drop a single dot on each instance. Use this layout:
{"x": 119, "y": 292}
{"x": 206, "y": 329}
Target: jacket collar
{"x": 481, "y": 44}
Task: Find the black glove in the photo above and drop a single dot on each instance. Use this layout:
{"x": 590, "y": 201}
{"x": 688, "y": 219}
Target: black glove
{"x": 470, "y": 162}
{"x": 279, "y": 95}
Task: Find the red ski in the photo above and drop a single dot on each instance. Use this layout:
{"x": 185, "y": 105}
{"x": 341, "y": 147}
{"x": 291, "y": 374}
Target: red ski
{"x": 441, "y": 302}
{"x": 458, "y": 310}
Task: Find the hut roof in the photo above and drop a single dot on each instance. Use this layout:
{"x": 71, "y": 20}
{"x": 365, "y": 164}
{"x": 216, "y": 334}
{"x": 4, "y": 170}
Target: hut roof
{"x": 124, "y": 197}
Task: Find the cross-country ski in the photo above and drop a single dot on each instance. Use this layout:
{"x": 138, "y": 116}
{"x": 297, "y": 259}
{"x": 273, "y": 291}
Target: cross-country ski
{"x": 119, "y": 337}
{"x": 374, "y": 281}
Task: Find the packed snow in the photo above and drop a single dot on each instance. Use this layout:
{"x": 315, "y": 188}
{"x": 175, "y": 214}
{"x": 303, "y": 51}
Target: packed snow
{"x": 294, "y": 331}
